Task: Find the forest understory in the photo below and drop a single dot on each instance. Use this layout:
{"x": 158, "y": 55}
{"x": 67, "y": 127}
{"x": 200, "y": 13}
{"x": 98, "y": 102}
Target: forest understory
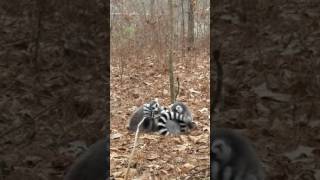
{"x": 137, "y": 81}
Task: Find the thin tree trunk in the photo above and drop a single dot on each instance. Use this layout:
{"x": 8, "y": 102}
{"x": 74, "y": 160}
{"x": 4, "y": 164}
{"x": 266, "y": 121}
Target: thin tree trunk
{"x": 191, "y": 25}
{"x": 152, "y": 25}
{"x": 170, "y": 60}
{"x": 182, "y": 28}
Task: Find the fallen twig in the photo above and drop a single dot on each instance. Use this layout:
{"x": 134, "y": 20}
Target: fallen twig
{"x": 134, "y": 147}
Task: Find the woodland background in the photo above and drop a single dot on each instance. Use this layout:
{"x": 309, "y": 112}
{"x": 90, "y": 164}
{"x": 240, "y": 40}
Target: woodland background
{"x": 270, "y": 57}
{"x": 142, "y": 42}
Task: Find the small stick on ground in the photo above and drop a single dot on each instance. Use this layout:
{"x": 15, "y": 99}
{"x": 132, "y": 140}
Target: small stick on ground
{"x": 134, "y": 148}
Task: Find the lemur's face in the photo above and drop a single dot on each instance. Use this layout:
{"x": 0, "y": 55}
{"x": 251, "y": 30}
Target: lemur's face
{"x": 191, "y": 125}
{"x": 179, "y": 109}
{"x": 154, "y": 105}
{"x": 221, "y": 150}
{"x": 154, "y": 108}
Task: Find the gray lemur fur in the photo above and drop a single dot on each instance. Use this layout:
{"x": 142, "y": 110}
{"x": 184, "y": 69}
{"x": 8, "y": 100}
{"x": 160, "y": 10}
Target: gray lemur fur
{"x": 92, "y": 165}
{"x": 182, "y": 108}
{"x": 233, "y": 157}
{"x": 149, "y": 124}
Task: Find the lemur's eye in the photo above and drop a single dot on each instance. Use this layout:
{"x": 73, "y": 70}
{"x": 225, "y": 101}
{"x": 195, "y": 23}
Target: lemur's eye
{"x": 155, "y": 106}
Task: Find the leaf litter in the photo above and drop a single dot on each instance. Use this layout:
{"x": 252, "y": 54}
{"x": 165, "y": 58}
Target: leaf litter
{"x": 172, "y": 157}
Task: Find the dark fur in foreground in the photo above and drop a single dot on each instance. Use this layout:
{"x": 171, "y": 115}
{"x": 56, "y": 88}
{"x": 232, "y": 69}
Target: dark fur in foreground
{"x": 92, "y": 165}
{"x": 233, "y": 157}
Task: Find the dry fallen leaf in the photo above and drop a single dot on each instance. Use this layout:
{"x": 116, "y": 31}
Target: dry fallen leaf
{"x": 115, "y": 136}
{"x": 152, "y": 156}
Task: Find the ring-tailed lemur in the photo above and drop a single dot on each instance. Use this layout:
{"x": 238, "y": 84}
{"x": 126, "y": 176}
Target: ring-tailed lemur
{"x": 181, "y": 108}
{"x": 150, "y": 111}
{"x": 91, "y": 165}
{"x": 178, "y": 119}
{"x": 233, "y": 157}
{"x": 171, "y": 122}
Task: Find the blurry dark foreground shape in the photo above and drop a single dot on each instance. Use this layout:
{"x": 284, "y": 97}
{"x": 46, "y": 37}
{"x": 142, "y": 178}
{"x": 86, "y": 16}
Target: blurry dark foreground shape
{"x": 92, "y": 165}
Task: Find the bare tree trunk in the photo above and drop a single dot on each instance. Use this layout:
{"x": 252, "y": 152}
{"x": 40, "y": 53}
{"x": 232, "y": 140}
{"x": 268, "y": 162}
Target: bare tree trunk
{"x": 182, "y": 28}
{"x": 152, "y": 9}
{"x": 170, "y": 60}
{"x": 152, "y": 24}
{"x": 191, "y": 24}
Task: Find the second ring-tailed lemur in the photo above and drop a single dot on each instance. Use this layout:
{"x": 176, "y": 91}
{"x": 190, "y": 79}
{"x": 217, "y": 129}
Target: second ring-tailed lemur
{"x": 176, "y": 120}
{"x": 171, "y": 122}
{"x": 182, "y": 108}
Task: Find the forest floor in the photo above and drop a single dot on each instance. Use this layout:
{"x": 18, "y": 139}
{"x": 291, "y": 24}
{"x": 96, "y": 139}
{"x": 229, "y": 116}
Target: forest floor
{"x": 179, "y": 157}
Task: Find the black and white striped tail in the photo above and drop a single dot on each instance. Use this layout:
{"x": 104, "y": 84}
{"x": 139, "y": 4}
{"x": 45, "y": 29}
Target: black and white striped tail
{"x": 173, "y": 116}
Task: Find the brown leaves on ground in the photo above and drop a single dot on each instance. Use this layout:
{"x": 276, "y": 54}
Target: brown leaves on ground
{"x": 172, "y": 157}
